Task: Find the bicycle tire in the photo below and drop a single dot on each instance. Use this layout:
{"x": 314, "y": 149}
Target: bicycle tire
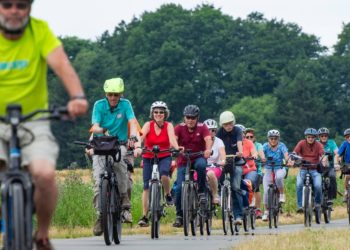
{"x": 117, "y": 218}
{"x": 185, "y": 207}
{"x": 107, "y": 216}
{"x": 307, "y": 206}
{"x": 245, "y": 220}
{"x": 348, "y": 203}
{"x": 209, "y": 220}
{"x": 327, "y": 215}
{"x": 193, "y": 210}
{"x": 230, "y": 212}
{"x": 276, "y": 209}
{"x": 15, "y": 230}
{"x": 252, "y": 219}
{"x": 270, "y": 198}
{"x": 224, "y": 210}
{"x": 154, "y": 210}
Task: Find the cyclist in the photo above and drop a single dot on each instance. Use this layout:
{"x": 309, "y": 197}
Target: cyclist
{"x": 157, "y": 132}
{"x": 331, "y": 148}
{"x": 27, "y": 46}
{"x": 276, "y": 151}
{"x": 194, "y": 135}
{"x": 232, "y": 137}
{"x": 311, "y": 151}
{"x": 216, "y": 161}
{"x": 344, "y": 151}
{"x": 113, "y": 113}
{"x": 250, "y": 135}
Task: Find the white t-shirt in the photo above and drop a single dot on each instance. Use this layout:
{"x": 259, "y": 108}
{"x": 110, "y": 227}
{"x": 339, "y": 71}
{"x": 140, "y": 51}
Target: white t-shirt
{"x": 214, "y": 158}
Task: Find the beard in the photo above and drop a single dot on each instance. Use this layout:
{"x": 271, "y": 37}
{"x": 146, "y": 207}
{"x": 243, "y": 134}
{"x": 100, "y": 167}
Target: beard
{"x": 9, "y": 28}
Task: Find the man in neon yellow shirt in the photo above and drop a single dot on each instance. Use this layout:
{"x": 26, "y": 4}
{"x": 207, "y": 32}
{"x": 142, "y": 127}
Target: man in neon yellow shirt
{"x": 27, "y": 45}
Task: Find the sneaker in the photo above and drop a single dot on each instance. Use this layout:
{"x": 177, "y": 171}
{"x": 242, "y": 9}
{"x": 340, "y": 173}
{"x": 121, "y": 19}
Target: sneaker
{"x": 169, "y": 200}
{"x": 282, "y": 198}
{"x": 178, "y": 222}
{"x": 97, "y": 230}
{"x": 238, "y": 221}
{"x": 258, "y": 214}
{"x": 143, "y": 222}
{"x": 300, "y": 210}
{"x": 43, "y": 244}
{"x": 265, "y": 216}
{"x": 126, "y": 215}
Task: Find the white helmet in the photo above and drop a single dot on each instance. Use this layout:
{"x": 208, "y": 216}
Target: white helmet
{"x": 227, "y": 116}
{"x": 241, "y": 127}
{"x": 211, "y": 124}
{"x": 159, "y": 104}
{"x": 273, "y": 132}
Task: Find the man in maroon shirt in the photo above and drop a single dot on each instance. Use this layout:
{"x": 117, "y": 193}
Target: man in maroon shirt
{"x": 311, "y": 151}
{"x": 193, "y": 135}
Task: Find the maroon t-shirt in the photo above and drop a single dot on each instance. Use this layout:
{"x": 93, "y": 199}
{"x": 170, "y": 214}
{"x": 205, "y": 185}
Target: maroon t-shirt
{"x": 310, "y": 152}
{"x": 191, "y": 140}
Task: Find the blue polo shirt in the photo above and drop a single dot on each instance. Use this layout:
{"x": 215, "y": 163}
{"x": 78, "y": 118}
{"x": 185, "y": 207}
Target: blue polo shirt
{"x": 344, "y": 149}
{"x": 116, "y": 120}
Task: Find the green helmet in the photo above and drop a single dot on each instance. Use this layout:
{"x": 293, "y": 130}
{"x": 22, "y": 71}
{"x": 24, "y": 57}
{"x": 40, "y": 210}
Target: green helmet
{"x": 114, "y": 85}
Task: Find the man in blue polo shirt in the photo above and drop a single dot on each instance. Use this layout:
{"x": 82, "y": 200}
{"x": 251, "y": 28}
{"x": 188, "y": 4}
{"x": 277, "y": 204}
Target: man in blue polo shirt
{"x": 112, "y": 114}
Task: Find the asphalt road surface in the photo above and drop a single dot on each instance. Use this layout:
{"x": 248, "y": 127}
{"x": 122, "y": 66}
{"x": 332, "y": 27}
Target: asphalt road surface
{"x": 215, "y": 241}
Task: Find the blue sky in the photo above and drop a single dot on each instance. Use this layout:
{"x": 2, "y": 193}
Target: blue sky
{"x": 88, "y": 19}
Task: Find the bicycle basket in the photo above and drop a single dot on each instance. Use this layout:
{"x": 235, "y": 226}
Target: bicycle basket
{"x": 105, "y": 145}
{"x": 346, "y": 168}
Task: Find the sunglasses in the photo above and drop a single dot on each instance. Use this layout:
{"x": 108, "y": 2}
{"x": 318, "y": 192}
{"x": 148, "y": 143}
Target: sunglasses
{"x": 212, "y": 130}
{"x": 159, "y": 112}
{"x": 113, "y": 94}
{"x": 323, "y": 135}
{"x": 250, "y": 137}
{"x": 19, "y": 5}
{"x": 191, "y": 117}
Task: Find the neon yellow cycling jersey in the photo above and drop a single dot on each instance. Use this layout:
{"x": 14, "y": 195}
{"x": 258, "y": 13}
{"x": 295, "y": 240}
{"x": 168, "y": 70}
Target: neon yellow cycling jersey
{"x": 23, "y": 67}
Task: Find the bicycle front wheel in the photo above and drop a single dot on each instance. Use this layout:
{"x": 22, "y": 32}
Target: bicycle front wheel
{"x": 107, "y": 216}
{"x": 224, "y": 210}
{"x": 348, "y": 203}
{"x": 117, "y": 219}
{"x": 270, "y": 199}
{"x": 155, "y": 199}
{"x": 276, "y": 209}
{"x": 185, "y": 207}
{"x": 209, "y": 220}
{"x": 307, "y": 206}
{"x": 14, "y": 236}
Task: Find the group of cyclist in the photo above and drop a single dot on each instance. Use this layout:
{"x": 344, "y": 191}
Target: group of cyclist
{"x": 113, "y": 113}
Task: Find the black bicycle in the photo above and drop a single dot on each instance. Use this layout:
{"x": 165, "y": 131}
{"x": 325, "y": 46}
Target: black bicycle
{"x": 156, "y": 192}
{"x": 189, "y": 195}
{"x": 17, "y": 187}
{"x": 110, "y": 198}
{"x": 345, "y": 171}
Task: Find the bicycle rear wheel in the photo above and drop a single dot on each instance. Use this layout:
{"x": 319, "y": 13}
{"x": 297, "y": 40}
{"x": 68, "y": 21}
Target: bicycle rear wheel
{"x": 155, "y": 199}
{"x": 186, "y": 207}
{"x": 117, "y": 219}
{"x": 107, "y": 216}
{"x": 270, "y": 199}
{"x": 14, "y": 236}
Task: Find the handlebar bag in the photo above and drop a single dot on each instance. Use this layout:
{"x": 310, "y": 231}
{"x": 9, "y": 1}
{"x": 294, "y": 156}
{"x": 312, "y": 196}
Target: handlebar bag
{"x": 105, "y": 145}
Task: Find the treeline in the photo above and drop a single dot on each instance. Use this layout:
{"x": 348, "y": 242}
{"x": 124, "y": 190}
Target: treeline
{"x": 268, "y": 72}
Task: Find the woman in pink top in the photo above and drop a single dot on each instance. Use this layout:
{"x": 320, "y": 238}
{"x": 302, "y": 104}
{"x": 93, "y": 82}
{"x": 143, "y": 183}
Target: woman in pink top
{"x": 161, "y": 133}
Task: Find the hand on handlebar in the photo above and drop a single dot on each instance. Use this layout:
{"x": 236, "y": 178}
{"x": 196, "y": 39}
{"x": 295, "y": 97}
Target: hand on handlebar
{"x": 239, "y": 154}
{"x": 137, "y": 152}
{"x": 207, "y": 153}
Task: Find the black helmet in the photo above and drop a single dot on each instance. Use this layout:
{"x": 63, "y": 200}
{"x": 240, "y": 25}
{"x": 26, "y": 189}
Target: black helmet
{"x": 191, "y": 110}
{"x": 310, "y": 131}
{"x": 323, "y": 131}
{"x": 347, "y": 132}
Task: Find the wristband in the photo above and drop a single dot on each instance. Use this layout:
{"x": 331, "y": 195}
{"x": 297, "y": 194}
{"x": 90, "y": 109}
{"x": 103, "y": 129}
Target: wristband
{"x": 78, "y": 97}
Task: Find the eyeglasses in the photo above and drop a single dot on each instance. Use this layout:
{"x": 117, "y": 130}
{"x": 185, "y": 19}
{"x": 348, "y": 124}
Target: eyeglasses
{"x": 347, "y": 136}
{"x": 19, "y": 5}
{"x": 323, "y": 135}
{"x": 250, "y": 137}
{"x": 273, "y": 138}
{"x": 113, "y": 94}
{"x": 212, "y": 130}
{"x": 158, "y": 112}
{"x": 191, "y": 117}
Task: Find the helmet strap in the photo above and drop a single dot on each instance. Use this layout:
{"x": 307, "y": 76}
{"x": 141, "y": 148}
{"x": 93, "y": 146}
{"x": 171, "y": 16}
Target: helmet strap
{"x": 159, "y": 126}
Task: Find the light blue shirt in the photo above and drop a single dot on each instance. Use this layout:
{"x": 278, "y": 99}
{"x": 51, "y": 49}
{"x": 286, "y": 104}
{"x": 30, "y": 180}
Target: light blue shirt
{"x": 116, "y": 120}
{"x": 277, "y": 155}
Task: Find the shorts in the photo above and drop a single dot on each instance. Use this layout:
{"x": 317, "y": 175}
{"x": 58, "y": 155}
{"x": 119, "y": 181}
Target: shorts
{"x": 217, "y": 171}
{"x": 42, "y": 145}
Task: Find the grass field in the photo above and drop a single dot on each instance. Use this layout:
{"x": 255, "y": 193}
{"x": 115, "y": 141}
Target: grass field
{"x": 75, "y": 214}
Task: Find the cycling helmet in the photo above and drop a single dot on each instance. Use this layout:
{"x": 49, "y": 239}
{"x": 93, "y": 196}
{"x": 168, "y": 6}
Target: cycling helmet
{"x": 227, "y": 116}
{"x": 273, "y": 133}
{"x": 310, "y": 131}
{"x": 191, "y": 110}
{"x": 241, "y": 127}
{"x": 323, "y": 131}
{"x": 114, "y": 85}
{"x": 211, "y": 124}
{"x": 347, "y": 132}
{"x": 159, "y": 104}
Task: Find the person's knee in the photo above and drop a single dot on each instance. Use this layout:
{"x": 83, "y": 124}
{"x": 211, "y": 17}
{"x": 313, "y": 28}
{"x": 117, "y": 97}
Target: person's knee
{"x": 43, "y": 174}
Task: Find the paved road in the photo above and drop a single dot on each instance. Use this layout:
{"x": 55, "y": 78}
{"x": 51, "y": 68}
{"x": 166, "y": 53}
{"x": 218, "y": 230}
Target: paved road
{"x": 178, "y": 242}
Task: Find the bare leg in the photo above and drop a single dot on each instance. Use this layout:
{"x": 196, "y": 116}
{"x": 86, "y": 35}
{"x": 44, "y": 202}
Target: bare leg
{"x": 258, "y": 199}
{"x": 145, "y": 202}
{"x": 166, "y": 184}
{"x": 213, "y": 183}
{"x": 45, "y": 196}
